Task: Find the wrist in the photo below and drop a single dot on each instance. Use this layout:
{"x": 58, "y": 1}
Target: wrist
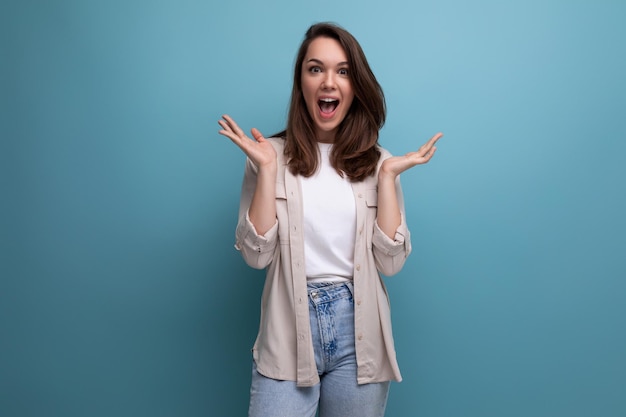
{"x": 386, "y": 177}
{"x": 268, "y": 168}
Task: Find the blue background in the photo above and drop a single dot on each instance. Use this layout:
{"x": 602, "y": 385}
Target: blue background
{"x": 121, "y": 293}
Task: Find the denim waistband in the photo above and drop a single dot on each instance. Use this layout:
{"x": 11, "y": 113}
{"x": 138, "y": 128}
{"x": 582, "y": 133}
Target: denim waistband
{"x": 322, "y": 292}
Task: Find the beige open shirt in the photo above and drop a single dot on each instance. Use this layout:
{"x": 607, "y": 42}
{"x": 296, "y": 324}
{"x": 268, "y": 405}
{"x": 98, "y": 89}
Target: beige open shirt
{"x": 283, "y": 349}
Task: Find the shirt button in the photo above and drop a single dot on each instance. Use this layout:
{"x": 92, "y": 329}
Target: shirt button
{"x": 300, "y": 337}
{"x": 360, "y": 336}
{"x": 358, "y": 302}
{"x": 300, "y": 300}
{"x": 360, "y": 195}
{"x": 358, "y": 267}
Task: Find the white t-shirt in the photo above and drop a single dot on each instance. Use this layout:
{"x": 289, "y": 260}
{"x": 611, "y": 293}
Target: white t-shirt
{"x": 329, "y": 222}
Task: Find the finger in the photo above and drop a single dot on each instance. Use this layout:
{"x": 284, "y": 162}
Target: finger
{"x": 256, "y": 134}
{"x": 225, "y": 126}
{"x": 426, "y": 148}
{"x": 233, "y": 125}
{"x": 422, "y": 156}
{"x": 235, "y": 138}
{"x": 230, "y": 135}
{"x": 435, "y": 138}
{"x": 228, "y": 132}
{"x": 429, "y": 155}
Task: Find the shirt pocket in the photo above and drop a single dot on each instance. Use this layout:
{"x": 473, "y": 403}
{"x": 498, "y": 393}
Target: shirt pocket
{"x": 282, "y": 213}
{"x": 371, "y": 201}
{"x": 281, "y": 192}
{"x": 371, "y": 198}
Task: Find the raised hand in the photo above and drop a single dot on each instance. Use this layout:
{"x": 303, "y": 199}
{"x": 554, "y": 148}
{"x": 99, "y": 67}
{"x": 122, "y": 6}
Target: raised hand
{"x": 395, "y": 165}
{"x": 259, "y": 150}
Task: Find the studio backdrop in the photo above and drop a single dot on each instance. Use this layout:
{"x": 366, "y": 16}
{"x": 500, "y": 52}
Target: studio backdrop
{"x": 121, "y": 293}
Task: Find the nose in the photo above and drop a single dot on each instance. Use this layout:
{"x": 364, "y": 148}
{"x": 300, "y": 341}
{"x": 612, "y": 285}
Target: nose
{"x": 329, "y": 80}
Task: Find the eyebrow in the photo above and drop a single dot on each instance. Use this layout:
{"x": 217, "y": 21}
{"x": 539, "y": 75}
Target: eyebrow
{"x": 317, "y": 61}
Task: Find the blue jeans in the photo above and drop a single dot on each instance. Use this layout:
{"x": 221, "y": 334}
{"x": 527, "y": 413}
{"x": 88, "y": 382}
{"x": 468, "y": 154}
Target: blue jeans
{"x": 331, "y": 311}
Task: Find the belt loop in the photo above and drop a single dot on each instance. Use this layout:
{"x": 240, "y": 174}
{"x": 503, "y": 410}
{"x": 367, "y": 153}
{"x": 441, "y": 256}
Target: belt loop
{"x": 350, "y": 286}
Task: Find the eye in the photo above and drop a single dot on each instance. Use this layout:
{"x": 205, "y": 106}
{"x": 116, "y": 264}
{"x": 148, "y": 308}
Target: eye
{"x": 343, "y": 71}
{"x": 315, "y": 69}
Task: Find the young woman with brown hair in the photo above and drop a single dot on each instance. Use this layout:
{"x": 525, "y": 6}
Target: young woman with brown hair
{"x": 322, "y": 210}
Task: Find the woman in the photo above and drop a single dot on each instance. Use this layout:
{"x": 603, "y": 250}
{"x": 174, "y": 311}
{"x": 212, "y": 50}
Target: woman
{"x": 322, "y": 210}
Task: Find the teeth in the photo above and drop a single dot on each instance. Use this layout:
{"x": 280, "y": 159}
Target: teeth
{"x": 328, "y": 100}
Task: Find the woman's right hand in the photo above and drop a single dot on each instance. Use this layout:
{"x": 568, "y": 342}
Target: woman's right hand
{"x": 259, "y": 150}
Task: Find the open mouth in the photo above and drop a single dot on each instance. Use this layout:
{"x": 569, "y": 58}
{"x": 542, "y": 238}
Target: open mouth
{"x": 327, "y": 105}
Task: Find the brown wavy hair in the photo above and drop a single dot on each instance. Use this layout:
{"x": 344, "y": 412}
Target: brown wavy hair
{"x": 355, "y": 151}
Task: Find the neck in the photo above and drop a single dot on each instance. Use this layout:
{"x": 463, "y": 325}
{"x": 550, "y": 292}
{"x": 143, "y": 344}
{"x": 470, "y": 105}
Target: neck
{"x": 325, "y": 137}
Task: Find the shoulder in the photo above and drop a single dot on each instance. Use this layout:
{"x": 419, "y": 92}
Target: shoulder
{"x": 279, "y": 146}
{"x": 384, "y": 154}
{"x": 278, "y": 143}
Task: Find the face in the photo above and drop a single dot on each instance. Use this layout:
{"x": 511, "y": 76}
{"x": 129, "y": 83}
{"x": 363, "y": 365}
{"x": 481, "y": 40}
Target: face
{"x": 326, "y": 86}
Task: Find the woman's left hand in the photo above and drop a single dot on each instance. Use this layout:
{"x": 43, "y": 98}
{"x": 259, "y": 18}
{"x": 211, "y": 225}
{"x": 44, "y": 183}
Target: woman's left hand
{"x": 396, "y": 165}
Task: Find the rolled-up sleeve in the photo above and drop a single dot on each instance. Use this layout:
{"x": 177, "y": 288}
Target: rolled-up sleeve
{"x": 256, "y": 250}
{"x": 390, "y": 254}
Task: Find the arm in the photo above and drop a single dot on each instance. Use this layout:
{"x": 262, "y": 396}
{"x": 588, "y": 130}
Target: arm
{"x": 257, "y": 227}
{"x": 389, "y": 217}
{"x": 391, "y": 240}
{"x": 262, "y": 209}
{"x": 257, "y": 250}
{"x": 390, "y": 253}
